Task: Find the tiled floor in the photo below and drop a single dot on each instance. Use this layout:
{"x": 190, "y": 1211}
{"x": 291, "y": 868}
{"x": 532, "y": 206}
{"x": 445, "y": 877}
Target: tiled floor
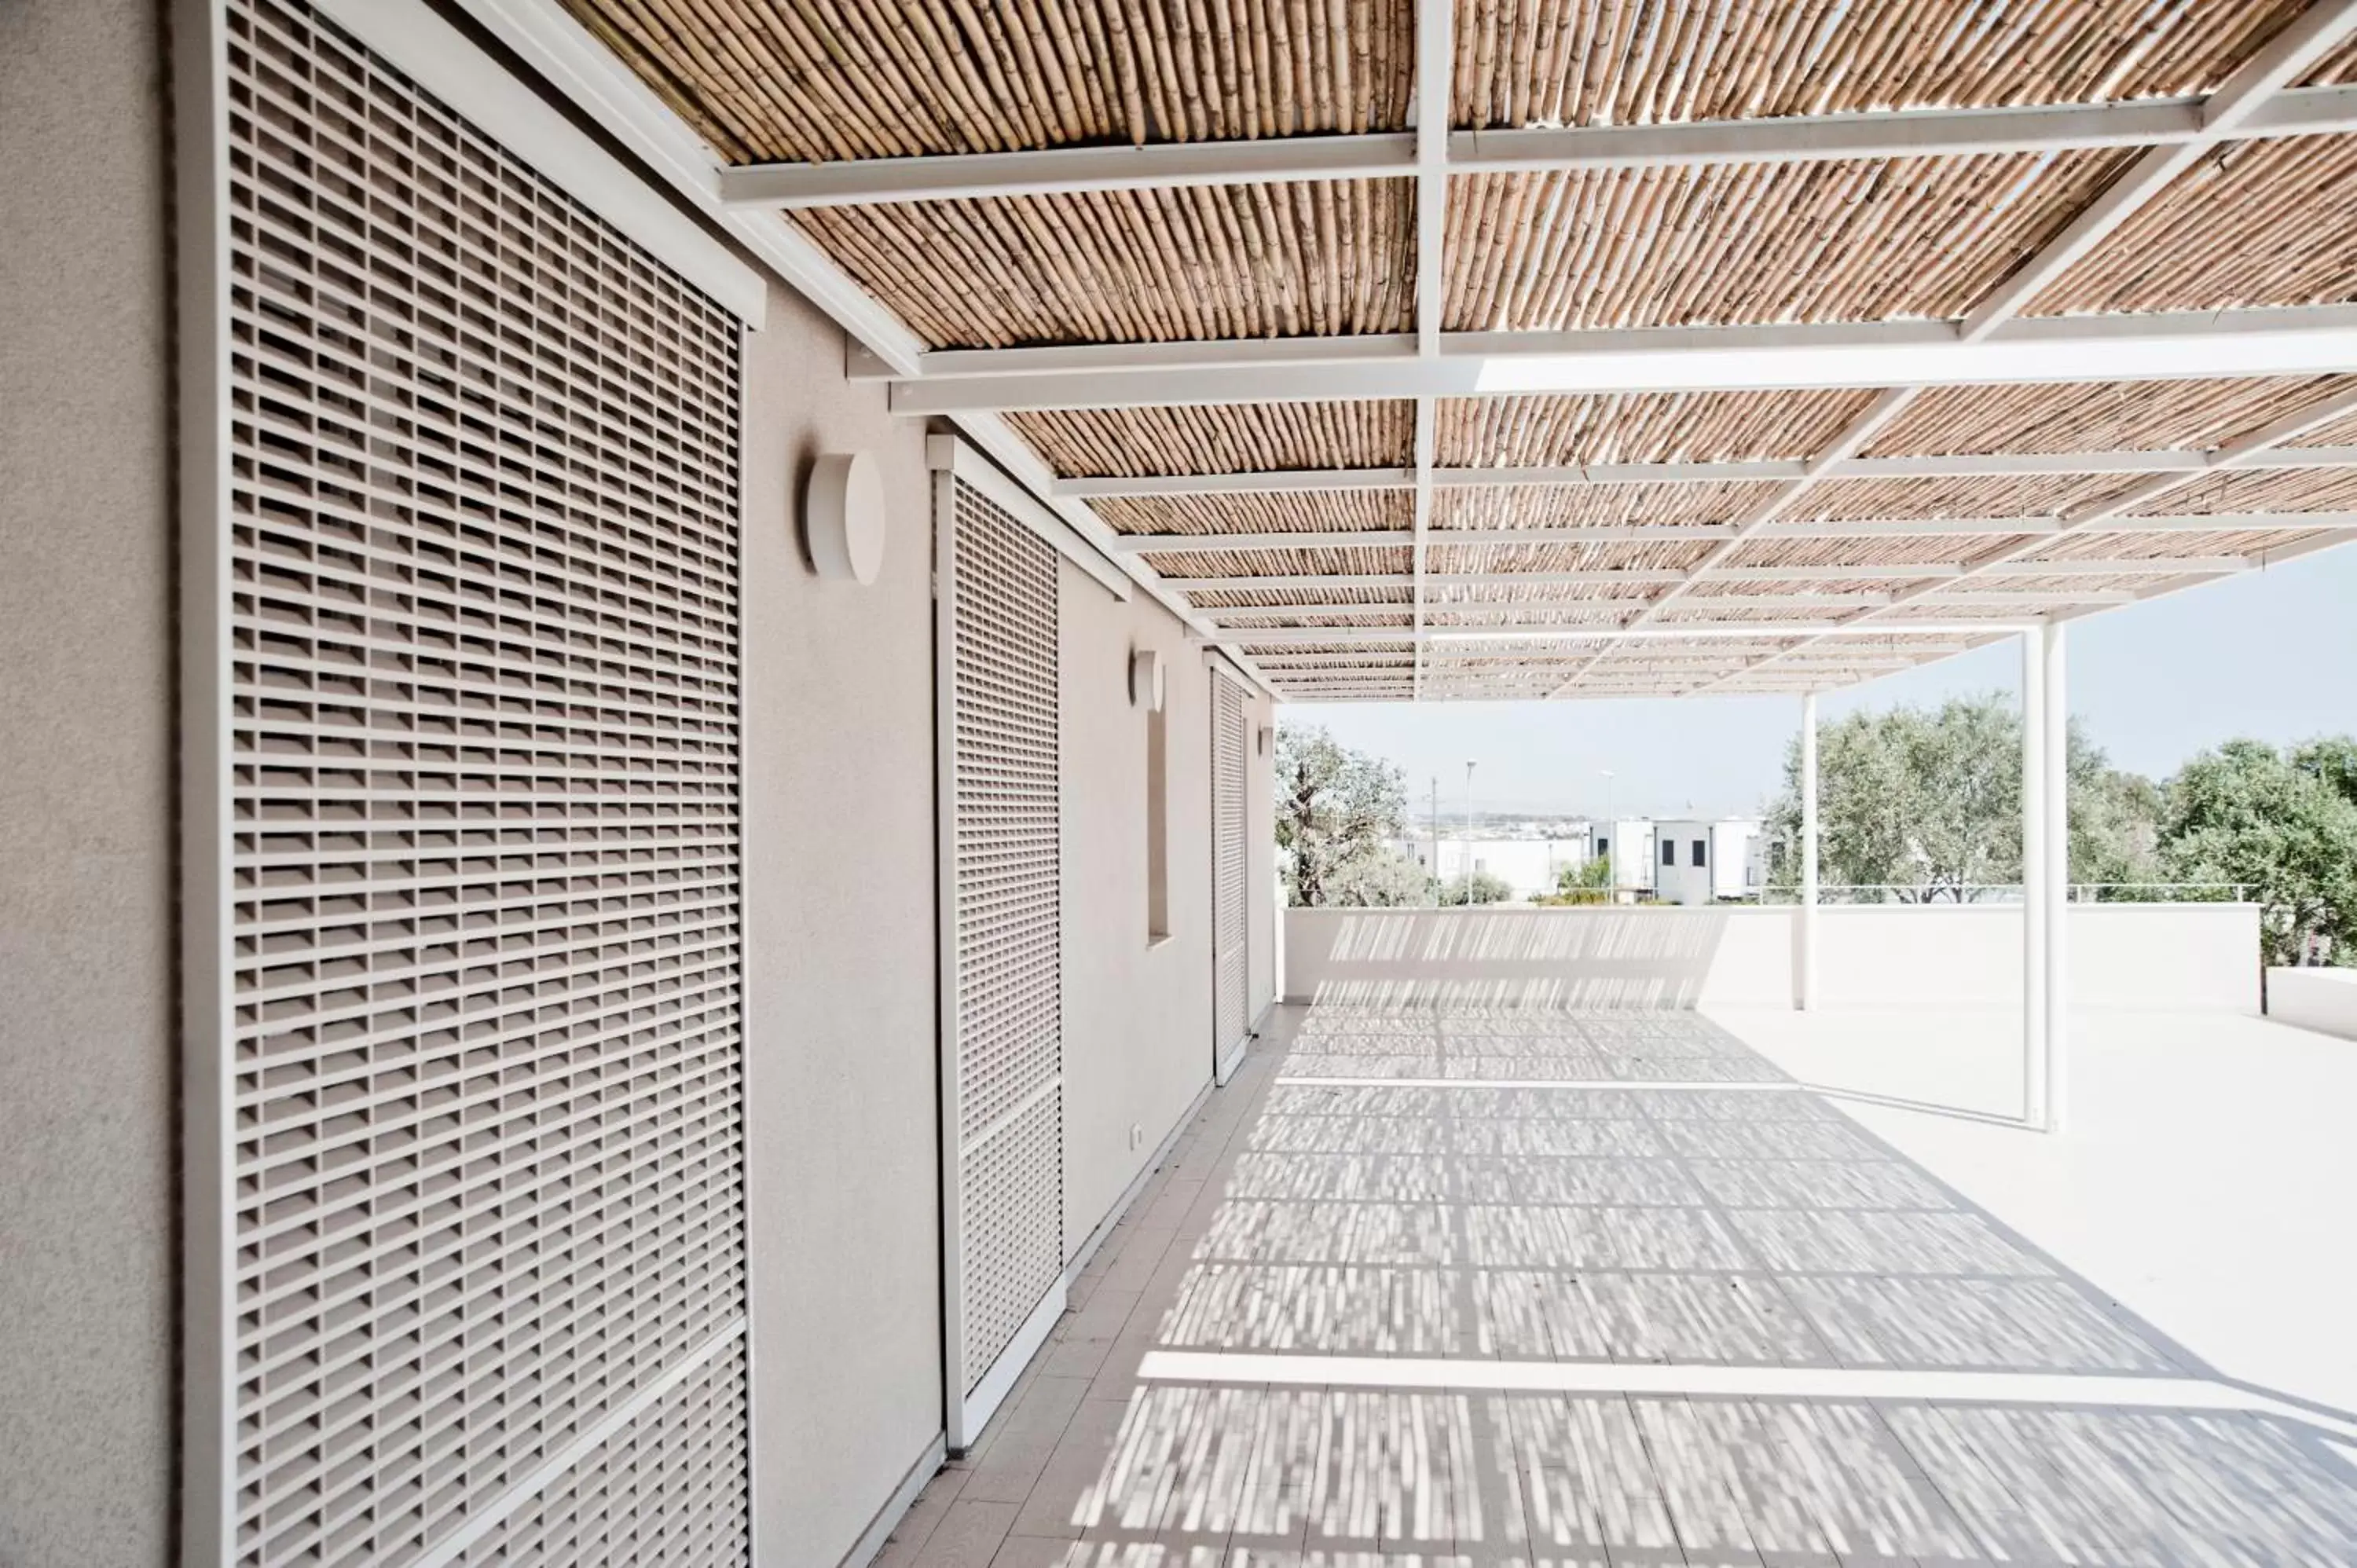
{"x": 1550, "y": 1290}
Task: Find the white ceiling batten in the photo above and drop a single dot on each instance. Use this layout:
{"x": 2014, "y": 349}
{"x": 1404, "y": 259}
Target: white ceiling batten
{"x": 2106, "y": 522}
{"x": 1381, "y": 154}
{"x": 1435, "y": 59}
{"x": 2285, "y": 341}
{"x": 1540, "y": 632}
{"x": 2284, "y": 60}
{"x": 2105, "y": 516}
{"x": 1993, "y": 465}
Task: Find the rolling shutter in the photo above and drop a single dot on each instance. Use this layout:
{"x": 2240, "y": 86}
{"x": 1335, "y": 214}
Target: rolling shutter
{"x": 1002, "y": 1066}
{"x": 1230, "y": 1009}
{"x": 468, "y": 1264}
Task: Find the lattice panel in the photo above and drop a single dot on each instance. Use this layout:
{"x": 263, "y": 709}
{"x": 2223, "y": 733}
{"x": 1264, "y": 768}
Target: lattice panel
{"x": 487, "y": 1176}
{"x": 670, "y": 1488}
{"x": 1009, "y": 919}
{"x": 1230, "y": 1007}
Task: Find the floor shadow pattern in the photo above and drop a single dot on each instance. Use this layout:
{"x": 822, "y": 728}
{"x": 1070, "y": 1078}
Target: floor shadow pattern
{"x": 1484, "y": 1217}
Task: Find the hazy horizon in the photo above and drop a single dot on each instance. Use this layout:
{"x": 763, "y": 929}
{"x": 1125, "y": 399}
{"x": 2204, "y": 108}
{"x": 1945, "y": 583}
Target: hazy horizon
{"x": 2270, "y": 654}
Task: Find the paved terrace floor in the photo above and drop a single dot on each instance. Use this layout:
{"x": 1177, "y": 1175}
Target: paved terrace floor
{"x": 1454, "y": 1289}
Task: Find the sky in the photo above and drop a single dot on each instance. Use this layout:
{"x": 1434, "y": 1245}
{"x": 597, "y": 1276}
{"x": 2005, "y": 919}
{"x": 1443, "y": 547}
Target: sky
{"x": 2270, "y": 654}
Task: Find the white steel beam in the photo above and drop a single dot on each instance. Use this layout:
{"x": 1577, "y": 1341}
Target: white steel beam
{"x": 1434, "y": 77}
{"x": 2279, "y": 63}
{"x": 1380, "y": 538}
{"x": 2039, "y": 598}
{"x": 1853, "y": 439}
{"x": 1290, "y": 580}
{"x": 1225, "y": 614}
{"x": 1807, "y": 930}
{"x": 1381, "y": 154}
{"x": 2286, "y": 58}
{"x": 1996, "y": 465}
{"x": 2103, "y": 518}
{"x": 2286, "y": 341}
{"x": 1128, "y": 545}
{"x": 1339, "y": 635}
{"x": 2036, "y": 910}
{"x": 2151, "y": 566}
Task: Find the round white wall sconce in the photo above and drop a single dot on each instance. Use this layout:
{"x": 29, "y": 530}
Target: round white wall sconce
{"x": 842, "y": 514}
{"x": 1145, "y": 680}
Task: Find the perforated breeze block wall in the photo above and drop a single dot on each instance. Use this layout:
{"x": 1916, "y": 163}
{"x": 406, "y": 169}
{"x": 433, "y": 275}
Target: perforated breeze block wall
{"x": 485, "y": 1238}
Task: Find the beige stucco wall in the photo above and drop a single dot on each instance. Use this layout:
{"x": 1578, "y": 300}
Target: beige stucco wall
{"x": 1137, "y": 1016}
{"x": 1260, "y": 852}
{"x": 86, "y": 998}
{"x": 843, "y": 1161}
{"x": 839, "y": 836}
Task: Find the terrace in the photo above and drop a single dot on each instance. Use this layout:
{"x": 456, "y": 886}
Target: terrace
{"x": 1486, "y": 1286}
{"x": 646, "y": 637}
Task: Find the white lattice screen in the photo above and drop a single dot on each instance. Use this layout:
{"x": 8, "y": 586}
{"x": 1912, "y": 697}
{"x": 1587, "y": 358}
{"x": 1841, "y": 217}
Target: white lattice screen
{"x": 1002, "y": 1141}
{"x": 482, "y": 1230}
{"x": 1230, "y": 1007}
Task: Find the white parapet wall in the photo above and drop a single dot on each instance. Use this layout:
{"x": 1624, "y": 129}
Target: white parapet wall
{"x": 2171, "y": 956}
{"x": 2324, "y": 1000}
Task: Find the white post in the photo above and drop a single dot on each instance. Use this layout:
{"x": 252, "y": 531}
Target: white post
{"x": 2036, "y": 868}
{"x": 2058, "y": 873}
{"x": 1435, "y": 842}
{"x": 1808, "y": 851}
{"x": 1468, "y": 836}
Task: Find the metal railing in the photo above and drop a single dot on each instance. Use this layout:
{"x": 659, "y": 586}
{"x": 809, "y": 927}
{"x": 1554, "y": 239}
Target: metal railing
{"x": 2011, "y": 893}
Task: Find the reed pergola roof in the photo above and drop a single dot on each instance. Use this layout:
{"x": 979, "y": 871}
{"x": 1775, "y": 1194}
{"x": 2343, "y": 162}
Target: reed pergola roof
{"x": 1590, "y": 348}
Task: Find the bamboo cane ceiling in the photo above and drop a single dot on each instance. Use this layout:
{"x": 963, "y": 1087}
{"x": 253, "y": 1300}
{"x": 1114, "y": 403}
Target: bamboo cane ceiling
{"x": 1458, "y": 521}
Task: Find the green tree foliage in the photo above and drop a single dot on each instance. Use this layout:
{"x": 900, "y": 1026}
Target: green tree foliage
{"x": 1336, "y": 808}
{"x": 1589, "y": 882}
{"x": 1488, "y": 887}
{"x": 1930, "y": 802}
{"x": 2286, "y": 825}
{"x": 1592, "y": 874}
{"x": 1380, "y": 878}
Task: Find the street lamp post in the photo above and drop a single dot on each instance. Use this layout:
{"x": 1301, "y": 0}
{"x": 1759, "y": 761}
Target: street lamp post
{"x": 1437, "y": 884}
{"x": 1468, "y": 832}
{"x": 1611, "y": 832}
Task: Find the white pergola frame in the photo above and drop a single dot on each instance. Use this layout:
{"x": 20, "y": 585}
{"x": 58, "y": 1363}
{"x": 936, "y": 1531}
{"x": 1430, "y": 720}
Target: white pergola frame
{"x": 1403, "y": 155}
{"x": 1993, "y": 343}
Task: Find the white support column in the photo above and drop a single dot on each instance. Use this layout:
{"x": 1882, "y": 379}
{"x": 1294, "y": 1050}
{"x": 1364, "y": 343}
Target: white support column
{"x": 1808, "y": 925}
{"x": 2058, "y": 874}
{"x": 2037, "y": 869}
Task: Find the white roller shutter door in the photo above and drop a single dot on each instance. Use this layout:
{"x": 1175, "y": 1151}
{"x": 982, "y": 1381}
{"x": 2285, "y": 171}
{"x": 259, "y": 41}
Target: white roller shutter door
{"x": 1002, "y": 1035}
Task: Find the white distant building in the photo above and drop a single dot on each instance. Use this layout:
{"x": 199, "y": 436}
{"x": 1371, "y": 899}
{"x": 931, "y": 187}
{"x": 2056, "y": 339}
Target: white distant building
{"x": 1529, "y": 866}
{"x": 1629, "y": 842}
{"x": 1704, "y": 862}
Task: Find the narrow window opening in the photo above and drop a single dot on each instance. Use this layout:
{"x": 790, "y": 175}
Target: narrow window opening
{"x": 1668, "y": 851}
{"x": 1157, "y": 828}
{"x": 1702, "y": 851}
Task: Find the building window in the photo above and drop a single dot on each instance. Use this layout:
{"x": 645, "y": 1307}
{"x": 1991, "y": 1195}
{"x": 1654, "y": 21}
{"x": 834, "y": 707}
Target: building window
{"x": 1702, "y": 851}
{"x": 1668, "y": 851}
{"x": 1157, "y": 827}
{"x": 1603, "y": 844}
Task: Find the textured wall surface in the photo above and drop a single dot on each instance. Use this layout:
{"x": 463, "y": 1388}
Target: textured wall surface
{"x": 87, "y": 1080}
{"x": 1260, "y": 854}
{"x": 843, "y": 1163}
{"x": 1138, "y": 1018}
